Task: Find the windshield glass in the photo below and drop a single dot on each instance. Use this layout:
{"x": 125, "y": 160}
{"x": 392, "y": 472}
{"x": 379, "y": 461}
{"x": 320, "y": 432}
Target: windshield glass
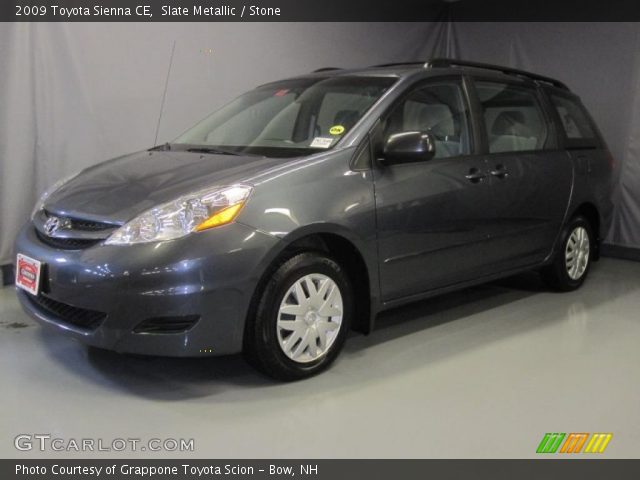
{"x": 289, "y": 118}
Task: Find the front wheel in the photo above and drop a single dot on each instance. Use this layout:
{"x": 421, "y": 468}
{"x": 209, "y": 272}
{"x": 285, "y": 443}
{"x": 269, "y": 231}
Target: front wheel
{"x": 302, "y": 318}
{"x": 573, "y": 259}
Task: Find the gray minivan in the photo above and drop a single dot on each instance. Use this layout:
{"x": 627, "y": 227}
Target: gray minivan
{"x": 303, "y": 208}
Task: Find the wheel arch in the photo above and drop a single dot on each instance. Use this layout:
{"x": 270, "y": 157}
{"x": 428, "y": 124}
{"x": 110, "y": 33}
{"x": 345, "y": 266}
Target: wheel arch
{"x": 592, "y": 214}
{"x": 340, "y": 244}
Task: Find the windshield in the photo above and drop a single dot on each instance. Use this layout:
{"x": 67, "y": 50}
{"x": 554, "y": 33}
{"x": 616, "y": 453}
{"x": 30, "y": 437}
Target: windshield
{"x": 288, "y": 118}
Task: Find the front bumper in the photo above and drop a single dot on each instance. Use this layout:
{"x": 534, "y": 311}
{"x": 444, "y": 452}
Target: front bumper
{"x": 211, "y": 275}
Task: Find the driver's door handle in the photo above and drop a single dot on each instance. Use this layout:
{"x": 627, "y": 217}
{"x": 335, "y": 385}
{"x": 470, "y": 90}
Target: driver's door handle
{"x": 500, "y": 171}
{"x": 475, "y": 175}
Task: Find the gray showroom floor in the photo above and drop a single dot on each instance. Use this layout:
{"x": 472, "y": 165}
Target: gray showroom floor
{"x": 480, "y": 373}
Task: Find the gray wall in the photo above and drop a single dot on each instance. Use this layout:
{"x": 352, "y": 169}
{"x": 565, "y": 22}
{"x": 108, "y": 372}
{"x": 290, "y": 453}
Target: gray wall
{"x": 75, "y": 94}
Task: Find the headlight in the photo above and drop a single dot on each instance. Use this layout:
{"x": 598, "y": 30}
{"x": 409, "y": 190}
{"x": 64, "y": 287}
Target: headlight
{"x": 191, "y": 213}
{"x": 43, "y": 198}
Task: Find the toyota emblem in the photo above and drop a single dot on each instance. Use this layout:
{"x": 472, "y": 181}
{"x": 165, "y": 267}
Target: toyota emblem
{"x": 52, "y": 225}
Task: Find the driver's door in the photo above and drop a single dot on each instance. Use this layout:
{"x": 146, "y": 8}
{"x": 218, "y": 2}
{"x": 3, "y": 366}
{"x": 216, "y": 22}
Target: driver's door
{"x": 433, "y": 216}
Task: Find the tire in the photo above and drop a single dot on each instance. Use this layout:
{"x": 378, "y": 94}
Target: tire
{"x": 572, "y": 261}
{"x": 291, "y": 338}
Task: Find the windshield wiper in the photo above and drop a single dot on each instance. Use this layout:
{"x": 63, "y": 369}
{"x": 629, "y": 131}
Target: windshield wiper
{"x": 216, "y": 151}
{"x": 164, "y": 146}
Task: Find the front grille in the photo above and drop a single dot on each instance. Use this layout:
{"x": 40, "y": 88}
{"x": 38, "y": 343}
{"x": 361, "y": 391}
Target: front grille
{"x": 83, "y": 233}
{"x": 67, "y": 243}
{"x": 78, "y": 317}
{"x": 84, "y": 225}
{"x": 167, "y": 324}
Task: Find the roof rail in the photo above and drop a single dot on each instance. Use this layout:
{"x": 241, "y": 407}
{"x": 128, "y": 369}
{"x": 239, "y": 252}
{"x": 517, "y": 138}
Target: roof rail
{"x": 449, "y": 62}
{"x": 326, "y": 69}
{"x": 398, "y": 64}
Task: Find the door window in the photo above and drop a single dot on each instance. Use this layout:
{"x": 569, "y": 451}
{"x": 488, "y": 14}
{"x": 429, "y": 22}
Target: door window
{"x": 438, "y": 109}
{"x": 513, "y": 117}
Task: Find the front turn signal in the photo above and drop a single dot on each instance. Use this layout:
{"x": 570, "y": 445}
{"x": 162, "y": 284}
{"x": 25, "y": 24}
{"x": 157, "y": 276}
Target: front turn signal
{"x": 222, "y": 217}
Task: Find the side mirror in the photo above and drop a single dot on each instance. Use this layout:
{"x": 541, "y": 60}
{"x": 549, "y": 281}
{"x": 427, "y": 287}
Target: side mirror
{"x": 406, "y": 147}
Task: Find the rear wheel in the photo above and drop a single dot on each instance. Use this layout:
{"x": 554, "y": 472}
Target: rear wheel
{"x": 573, "y": 259}
{"x": 302, "y": 318}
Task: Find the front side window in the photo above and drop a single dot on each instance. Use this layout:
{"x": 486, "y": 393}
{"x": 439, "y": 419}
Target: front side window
{"x": 289, "y": 118}
{"x": 513, "y": 117}
{"x": 438, "y": 109}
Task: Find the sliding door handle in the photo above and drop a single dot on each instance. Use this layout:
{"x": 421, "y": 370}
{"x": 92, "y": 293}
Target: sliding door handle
{"x": 500, "y": 171}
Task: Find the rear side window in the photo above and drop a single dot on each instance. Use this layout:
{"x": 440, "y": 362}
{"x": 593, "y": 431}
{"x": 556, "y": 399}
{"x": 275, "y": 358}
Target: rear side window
{"x": 513, "y": 117}
{"x": 575, "y": 122}
{"x": 437, "y": 108}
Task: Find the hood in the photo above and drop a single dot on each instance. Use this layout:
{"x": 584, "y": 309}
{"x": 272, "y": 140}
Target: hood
{"x": 120, "y": 189}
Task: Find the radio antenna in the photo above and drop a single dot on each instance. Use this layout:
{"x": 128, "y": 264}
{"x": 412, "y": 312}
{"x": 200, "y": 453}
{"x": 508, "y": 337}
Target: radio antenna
{"x": 164, "y": 94}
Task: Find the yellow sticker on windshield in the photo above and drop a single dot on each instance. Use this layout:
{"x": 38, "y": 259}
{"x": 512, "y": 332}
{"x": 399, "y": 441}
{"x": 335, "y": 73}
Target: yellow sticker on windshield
{"x": 336, "y": 130}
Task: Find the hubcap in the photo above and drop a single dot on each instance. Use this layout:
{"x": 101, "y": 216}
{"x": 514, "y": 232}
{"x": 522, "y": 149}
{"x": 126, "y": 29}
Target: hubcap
{"x": 309, "y": 318}
{"x": 576, "y": 254}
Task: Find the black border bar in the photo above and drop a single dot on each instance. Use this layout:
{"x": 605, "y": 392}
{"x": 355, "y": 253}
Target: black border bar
{"x": 325, "y": 10}
{"x": 542, "y": 469}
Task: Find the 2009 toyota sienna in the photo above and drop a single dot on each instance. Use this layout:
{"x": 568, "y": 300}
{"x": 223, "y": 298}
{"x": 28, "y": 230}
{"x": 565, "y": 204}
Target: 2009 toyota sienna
{"x": 303, "y": 208}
